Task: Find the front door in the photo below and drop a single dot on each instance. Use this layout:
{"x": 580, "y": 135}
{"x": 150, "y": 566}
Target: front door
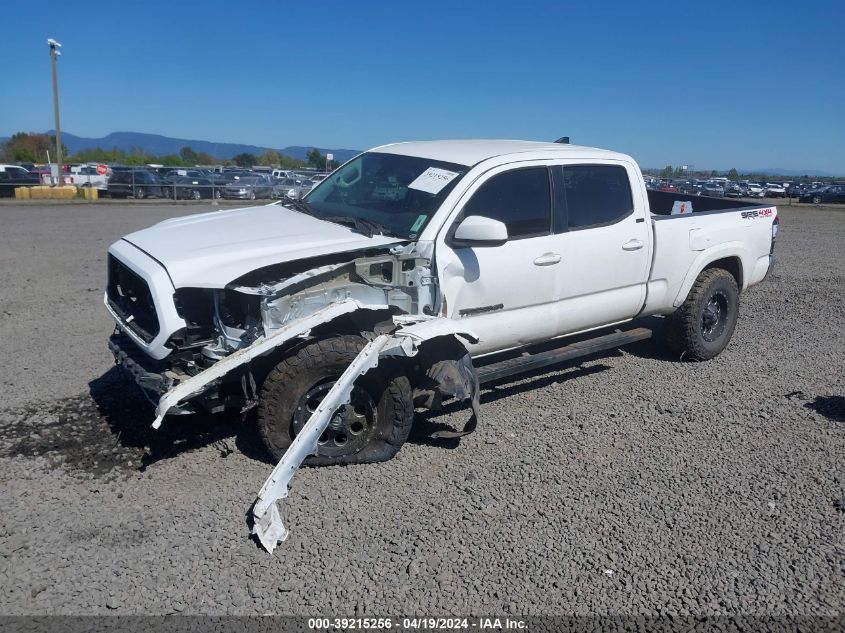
{"x": 506, "y": 294}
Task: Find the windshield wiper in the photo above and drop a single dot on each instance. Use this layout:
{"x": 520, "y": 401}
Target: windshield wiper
{"x": 300, "y": 205}
{"x": 365, "y": 227}
{"x": 362, "y": 226}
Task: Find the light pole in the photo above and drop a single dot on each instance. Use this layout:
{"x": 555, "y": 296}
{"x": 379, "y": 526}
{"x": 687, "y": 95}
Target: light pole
{"x": 54, "y": 53}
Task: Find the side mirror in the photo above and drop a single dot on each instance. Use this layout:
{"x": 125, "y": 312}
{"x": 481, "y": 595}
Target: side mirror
{"x": 477, "y": 230}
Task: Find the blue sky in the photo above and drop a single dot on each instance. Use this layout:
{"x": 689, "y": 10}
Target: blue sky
{"x": 715, "y": 85}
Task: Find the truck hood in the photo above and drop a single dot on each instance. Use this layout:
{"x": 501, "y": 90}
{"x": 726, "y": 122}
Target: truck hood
{"x": 209, "y": 250}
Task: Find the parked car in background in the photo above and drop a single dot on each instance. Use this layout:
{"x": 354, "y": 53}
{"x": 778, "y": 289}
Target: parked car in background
{"x": 668, "y": 187}
{"x": 299, "y": 190}
{"x": 690, "y": 188}
{"x": 318, "y": 178}
{"x": 12, "y": 176}
{"x": 249, "y": 188}
{"x": 138, "y": 183}
{"x": 754, "y": 190}
{"x": 796, "y": 190}
{"x": 193, "y": 188}
{"x": 831, "y": 193}
{"x": 712, "y": 189}
{"x": 734, "y": 190}
{"x": 775, "y": 190}
{"x": 170, "y": 178}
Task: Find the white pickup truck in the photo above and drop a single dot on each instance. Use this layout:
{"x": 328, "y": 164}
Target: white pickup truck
{"x": 411, "y": 274}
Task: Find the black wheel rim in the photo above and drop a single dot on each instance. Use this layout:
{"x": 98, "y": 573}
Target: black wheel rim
{"x": 714, "y": 317}
{"x": 351, "y": 426}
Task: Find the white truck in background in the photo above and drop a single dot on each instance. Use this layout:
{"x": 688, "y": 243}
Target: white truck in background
{"x": 87, "y": 176}
{"x": 413, "y": 273}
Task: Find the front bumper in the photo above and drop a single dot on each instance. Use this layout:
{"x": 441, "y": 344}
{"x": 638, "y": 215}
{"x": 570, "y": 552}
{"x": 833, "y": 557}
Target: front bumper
{"x": 149, "y": 374}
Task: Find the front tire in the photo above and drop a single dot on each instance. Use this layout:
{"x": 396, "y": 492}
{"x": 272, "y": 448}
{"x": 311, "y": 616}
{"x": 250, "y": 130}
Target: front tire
{"x": 139, "y": 193}
{"x": 371, "y": 428}
{"x": 704, "y": 324}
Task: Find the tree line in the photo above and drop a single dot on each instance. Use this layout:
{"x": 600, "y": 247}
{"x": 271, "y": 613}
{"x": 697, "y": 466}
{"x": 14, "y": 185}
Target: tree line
{"x": 671, "y": 171}
{"x": 24, "y": 147}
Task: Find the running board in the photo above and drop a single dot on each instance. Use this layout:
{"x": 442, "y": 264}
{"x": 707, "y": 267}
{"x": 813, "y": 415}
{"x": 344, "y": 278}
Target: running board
{"x": 530, "y": 362}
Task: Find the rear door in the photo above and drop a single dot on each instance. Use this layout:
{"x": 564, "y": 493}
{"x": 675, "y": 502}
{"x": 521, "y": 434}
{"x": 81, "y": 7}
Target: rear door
{"x": 605, "y": 241}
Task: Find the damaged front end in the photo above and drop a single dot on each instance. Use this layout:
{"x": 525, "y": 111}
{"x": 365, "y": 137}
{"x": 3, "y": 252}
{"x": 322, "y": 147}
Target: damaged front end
{"x": 227, "y": 339}
{"x": 164, "y": 342}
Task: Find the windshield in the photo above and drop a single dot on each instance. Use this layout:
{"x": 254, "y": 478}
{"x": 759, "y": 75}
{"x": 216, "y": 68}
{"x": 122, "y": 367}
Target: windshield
{"x": 400, "y": 193}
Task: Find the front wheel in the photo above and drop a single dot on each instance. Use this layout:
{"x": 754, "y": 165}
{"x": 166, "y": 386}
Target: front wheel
{"x": 139, "y": 193}
{"x": 370, "y": 428}
{"x": 196, "y": 195}
{"x": 704, "y": 324}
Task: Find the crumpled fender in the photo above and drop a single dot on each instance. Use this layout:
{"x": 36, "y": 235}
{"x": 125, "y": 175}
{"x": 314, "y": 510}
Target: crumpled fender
{"x": 195, "y": 385}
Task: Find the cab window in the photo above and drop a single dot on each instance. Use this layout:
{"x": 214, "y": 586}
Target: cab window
{"x": 591, "y": 195}
{"x": 520, "y": 198}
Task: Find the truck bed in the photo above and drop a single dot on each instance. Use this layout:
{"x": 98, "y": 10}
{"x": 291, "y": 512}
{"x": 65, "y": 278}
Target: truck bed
{"x": 660, "y": 203}
{"x": 734, "y": 233}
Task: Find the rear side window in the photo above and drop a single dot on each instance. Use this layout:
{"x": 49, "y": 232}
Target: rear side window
{"x": 592, "y": 195}
{"x": 519, "y": 198}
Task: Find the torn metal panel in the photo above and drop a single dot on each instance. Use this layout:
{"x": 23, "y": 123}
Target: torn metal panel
{"x": 268, "y": 526}
{"x": 196, "y": 384}
{"x": 297, "y": 280}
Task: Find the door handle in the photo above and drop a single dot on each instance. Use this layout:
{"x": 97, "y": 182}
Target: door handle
{"x": 632, "y": 245}
{"x": 547, "y": 259}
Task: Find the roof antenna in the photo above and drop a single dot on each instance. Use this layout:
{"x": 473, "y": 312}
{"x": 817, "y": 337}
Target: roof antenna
{"x": 563, "y": 140}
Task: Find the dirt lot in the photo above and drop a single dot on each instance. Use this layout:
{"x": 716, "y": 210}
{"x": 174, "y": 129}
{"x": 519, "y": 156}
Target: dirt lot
{"x": 631, "y": 483}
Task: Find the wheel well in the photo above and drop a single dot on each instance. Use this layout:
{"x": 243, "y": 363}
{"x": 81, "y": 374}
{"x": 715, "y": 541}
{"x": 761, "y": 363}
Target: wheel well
{"x": 731, "y": 264}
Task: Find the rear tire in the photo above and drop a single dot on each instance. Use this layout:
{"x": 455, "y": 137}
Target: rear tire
{"x": 139, "y": 193}
{"x": 372, "y": 428}
{"x": 704, "y": 324}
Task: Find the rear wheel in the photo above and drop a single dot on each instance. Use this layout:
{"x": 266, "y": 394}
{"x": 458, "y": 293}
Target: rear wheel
{"x": 703, "y": 326}
{"x": 139, "y": 193}
{"x": 370, "y": 428}
{"x": 196, "y": 195}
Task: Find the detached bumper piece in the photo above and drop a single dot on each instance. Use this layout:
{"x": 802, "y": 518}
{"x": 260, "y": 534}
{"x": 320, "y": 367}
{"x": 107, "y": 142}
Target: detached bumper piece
{"x": 404, "y": 341}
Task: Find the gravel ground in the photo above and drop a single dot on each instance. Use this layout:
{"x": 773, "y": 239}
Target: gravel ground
{"x": 628, "y": 484}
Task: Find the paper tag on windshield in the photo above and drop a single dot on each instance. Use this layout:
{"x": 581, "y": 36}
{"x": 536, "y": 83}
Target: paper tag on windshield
{"x": 432, "y": 180}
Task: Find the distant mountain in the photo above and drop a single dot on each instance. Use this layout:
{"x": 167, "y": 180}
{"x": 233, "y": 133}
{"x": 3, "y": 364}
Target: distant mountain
{"x": 160, "y": 145}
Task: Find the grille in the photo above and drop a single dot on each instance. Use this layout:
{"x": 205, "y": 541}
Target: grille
{"x": 129, "y": 296}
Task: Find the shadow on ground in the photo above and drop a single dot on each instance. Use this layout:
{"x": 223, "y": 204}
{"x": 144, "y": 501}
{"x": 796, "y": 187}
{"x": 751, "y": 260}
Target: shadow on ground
{"x": 831, "y": 407}
{"x": 108, "y": 431}
{"x": 429, "y": 422}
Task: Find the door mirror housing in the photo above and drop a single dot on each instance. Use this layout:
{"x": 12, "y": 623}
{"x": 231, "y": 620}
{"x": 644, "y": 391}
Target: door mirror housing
{"x": 478, "y": 230}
